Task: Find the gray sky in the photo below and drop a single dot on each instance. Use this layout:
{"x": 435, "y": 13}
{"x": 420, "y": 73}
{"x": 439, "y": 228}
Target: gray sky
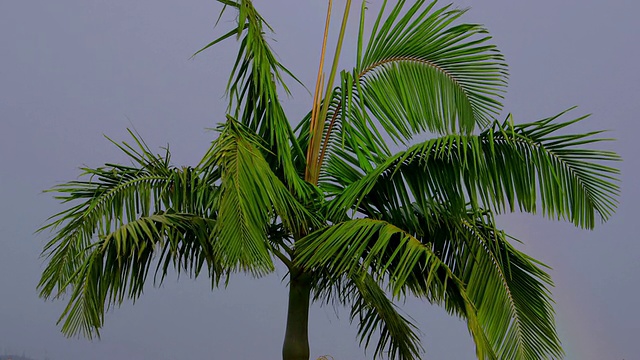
{"x": 73, "y": 70}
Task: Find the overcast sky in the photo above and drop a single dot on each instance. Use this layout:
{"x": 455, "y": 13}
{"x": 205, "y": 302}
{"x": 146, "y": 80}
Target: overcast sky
{"x": 73, "y": 70}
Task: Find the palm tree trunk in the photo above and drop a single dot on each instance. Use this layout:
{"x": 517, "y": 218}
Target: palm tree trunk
{"x": 296, "y": 338}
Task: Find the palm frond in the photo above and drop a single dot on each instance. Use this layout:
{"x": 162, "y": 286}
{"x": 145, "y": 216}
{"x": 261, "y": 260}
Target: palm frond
{"x": 374, "y": 312}
{"x": 510, "y": 291}
{"x": 115, "y": 268}
{"x": 504, "y": 166}
{"x": 356, "y": 246}
{"x": 251, "y": 197}
{"x": 102, "y": 207}
{"x": 253, "y": 89}
{"x": 422, "y": 71}
{"x": 124, "y": 215}
{"x": 508, "y": 288}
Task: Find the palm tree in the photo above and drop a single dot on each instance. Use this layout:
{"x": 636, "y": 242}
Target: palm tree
{"x": 354, "y": 223}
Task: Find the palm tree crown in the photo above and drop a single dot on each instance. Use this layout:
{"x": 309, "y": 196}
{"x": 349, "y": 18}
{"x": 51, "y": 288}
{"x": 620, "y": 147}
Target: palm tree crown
{"x": 354, "y": 222}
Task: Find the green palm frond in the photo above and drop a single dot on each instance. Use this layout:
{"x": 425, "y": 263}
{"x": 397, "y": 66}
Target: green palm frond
{"x": 242, "y": 229}
{"x": 123, "y": 216}
{"x": 504, "y": 166}
{"x": 391, "y": 254}
{"x": 421, "y": 71}
{"x": 253, "y": 91}
{"x": 101, "y": 207}
{"x": 130, "y": 217}
{"x": 374, "y": 312}
{"x": 510, "y": 291}
{"x": 116, "y": 267}
{"x": 251, "y": 197}
{"x": 508, "y": 288}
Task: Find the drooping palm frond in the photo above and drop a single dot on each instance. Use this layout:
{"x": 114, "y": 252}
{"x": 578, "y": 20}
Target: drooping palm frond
{"x": 116, "y": 267}
{"x": 389, "y": 253}
{"x": 508, "y": 288}
{"x": 511, "y": 293}
{"x": 251, "y": 197}
{"x": 504, "y": 166}
{"x": 373, "y": 312}
{"x": 253, "y": 89}
{"x": 129, "y": 217}
{"x": 124, "y": 216}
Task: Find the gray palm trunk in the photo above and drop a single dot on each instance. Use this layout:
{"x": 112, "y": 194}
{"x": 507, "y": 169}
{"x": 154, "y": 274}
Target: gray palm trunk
{"x": 296, "y": 339}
